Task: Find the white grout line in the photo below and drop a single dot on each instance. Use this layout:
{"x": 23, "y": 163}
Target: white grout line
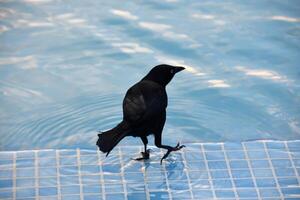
{"x": 208, "y": 172}
{"x": 292, "y": 162}
{"x": 58, "y": 176}
{"x": 122, "y": 173}
{"x": 273, "y": 171}
{"x": 229, "y": 171}
{"x": 251, "y": 170}
{"x": 101, "y": 175}
{"x": 36, "y": 174}
{"x": 14, "y": 175}
{"x": 145, "y": 180}
{"x": 187, "y": 174}
{"x": 79, "y": 174}
{"x": 163, "y": 168}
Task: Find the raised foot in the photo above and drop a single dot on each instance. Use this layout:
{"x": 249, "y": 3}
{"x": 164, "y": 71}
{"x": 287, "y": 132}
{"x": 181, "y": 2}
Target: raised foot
{"x": 176, "y": 148}
{"x": 145, "y": 155}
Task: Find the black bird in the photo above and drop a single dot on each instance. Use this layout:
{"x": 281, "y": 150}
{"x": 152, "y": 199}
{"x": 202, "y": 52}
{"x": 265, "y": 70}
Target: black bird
{"x": 144, "y": 112}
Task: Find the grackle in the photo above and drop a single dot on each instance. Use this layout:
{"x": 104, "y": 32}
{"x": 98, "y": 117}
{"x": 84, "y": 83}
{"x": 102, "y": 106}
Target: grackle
{"x": 144, "y": 112}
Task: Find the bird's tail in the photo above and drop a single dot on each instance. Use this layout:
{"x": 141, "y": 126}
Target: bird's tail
{"x": 109, "y": 139}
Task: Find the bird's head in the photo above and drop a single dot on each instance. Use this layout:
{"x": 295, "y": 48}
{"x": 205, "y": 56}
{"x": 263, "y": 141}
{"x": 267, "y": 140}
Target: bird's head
{"x": 163, "y": 74}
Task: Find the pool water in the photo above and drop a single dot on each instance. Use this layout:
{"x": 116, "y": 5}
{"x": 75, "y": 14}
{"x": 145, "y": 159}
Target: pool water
{"x": 66, "y": 65}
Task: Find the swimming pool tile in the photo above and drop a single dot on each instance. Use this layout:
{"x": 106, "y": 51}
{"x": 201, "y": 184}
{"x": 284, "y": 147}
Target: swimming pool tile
{"x": 179, "y": 176}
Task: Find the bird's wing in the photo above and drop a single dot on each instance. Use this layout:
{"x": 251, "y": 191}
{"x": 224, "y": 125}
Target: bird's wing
{"x": 144, "y": 100}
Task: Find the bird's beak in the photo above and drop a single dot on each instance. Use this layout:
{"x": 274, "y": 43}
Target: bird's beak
{"x": 178, "y": 69}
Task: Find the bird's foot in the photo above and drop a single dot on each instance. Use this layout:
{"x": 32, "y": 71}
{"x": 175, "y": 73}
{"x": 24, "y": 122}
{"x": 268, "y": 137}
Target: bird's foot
{"x": 145, "y": 155}
{"x": 176, "y": 148}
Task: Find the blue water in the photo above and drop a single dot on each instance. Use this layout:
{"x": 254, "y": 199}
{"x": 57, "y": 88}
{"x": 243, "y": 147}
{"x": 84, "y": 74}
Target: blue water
{"x": 66, "y": 65}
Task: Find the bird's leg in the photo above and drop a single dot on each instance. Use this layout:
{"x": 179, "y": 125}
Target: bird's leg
{"x": 145, "y": 154}
{"x": 169, "y": 148}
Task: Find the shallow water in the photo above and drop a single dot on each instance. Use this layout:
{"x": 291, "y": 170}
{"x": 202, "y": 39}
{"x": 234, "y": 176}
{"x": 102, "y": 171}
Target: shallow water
{"x": 66, "y": 65}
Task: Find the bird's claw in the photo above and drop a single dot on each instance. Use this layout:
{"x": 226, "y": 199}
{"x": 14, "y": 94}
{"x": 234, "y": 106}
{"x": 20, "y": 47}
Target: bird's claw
{"x": 176, "y": 148}
{"x": 145, "y": 156}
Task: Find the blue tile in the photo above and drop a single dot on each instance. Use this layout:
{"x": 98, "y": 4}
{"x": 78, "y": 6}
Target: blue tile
{"x": 259, "y": 164}
{"x": 68, "y": 161}
{"x": 69, "y": 180}
{"x": 6, "y": 173}
{"x": 222, "y": 183}
{"x": 70, "y": 189}
{"x": 112, "y": 178}
{"x": 70, "y": 197}
{"x": 25, "y": 182}
{"x": 112, "y": 168}
{"x": 294, "y": 145}
{"x": 254, "y": 145}
{"x": 178, "y": 185}
{"x": 90, "y": 179}
{"x": 291, "y": 192}
{"x": 68, "y": 170}
{"x": 244, "y": 173}
{"x": 154, "y": 186}
{"x": 113, "y": 188}
{"x": 116, "y": 196}
{"x": 49, "y": 181}
{"x": 159, "y": 195}
{"x": 202, "y": 194}
{"x": 193, "y": 156}
{"x": 265, "y": 182}
{"x": 233, "y": 146}
{"x": 25, "y": 163}
{"x": 134, "y": 177}
{"x": 95, "y": 188}
{"x": 176, "y": 195}
{"x": 196, "y": 165}
{"x": 6, "y": 183}
{"x": 133, "y": 167}
{"x": 198, "y": 175}
{"x": 212, "y": 147}
{"x": 288, "y": 182}
{"x": 47, "y": 162}
{"x": 174, "y": 166}
{"x": 269, "y": 192}
{"x": 6, "y": 194}
{"x": 51, "y": 171}
{"x": 257, "y": 154}
{"x": 92, "y": 196}
{"x": 217, "y": 165}
{"x": 243, "y": 183}
{"x": 200, "y": 184}
{"x": 136, "y": 187}
{"x": 176, "y": 174}
{"x": 224, "y": 194}
{"x": 5, "y": 164}
{"x": 89, "y": 160}
{"x": 238, "y": 164}
{"x": 217, "y": 174}
{"x": 155, "y": 176}
{"x": 296, "y": 162}
{"x": 295, "y": 155}
{"x": 278, "y": 154}
{"x": 263, "y": 173}
{"x": 276, "y": 145}
{"x": 136, "y": 196}
{"x": 47, "y": 191}
{"x": 284, "y": 172}
{"x": 25, "y": 154}
{"x": 89, "y": 169}
{"x": 233, "y": 155}
{"x": 25, "y": 172}
{"x": 281, "y": 163}
{"x": 246, "y": 193}
{"x": 24, "y": 193}
{"x": 214, "y": 155}
{"x": 6, "y": 155}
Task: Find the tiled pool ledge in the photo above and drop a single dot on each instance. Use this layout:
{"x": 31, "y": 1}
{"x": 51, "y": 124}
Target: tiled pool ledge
{"x": 250, "y": 170}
